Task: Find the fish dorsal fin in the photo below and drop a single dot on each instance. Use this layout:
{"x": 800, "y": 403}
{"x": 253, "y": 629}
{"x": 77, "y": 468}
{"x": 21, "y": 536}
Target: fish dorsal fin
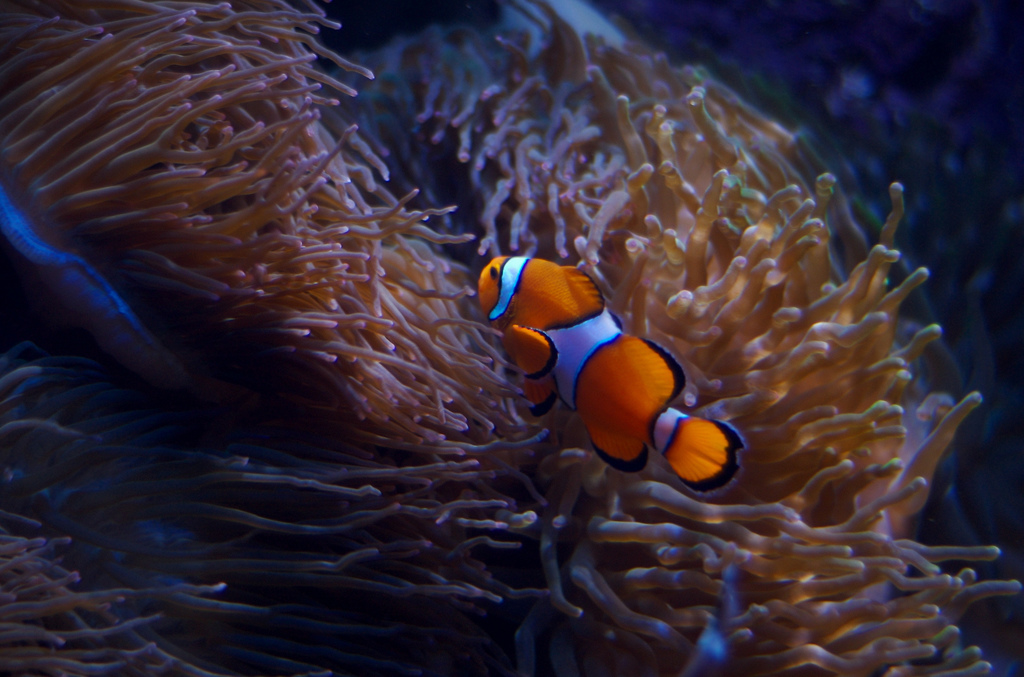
{"x": 621, "y": 452}
{"x": 622, "y": 388}
{"x": 624, "y": 385}
{"x": 584, "y": 291}
{"x": 642, "y": 369}
{"x": 677, "y": 375}
{"x": 532, "y": 350}
{"x": 553, "y": 296}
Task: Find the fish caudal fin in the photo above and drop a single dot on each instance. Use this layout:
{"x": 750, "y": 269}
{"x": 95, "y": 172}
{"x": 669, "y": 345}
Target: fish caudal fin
{"x": 621, "y": 452}
{"x": 701, "y": 451}
{"x": 540, "y": 394}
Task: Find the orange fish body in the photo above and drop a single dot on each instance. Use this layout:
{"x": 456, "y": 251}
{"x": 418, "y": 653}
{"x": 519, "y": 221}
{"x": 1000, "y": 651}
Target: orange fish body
{"x": 537, "y": 293}
{"x": 557, "y": 329}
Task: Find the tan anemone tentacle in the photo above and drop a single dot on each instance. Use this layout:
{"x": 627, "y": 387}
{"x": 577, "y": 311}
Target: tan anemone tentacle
{"x": 691, "y": 212}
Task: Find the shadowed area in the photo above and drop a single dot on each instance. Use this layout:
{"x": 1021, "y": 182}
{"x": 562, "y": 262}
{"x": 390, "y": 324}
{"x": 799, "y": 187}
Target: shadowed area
{"x": 298, "y": 447}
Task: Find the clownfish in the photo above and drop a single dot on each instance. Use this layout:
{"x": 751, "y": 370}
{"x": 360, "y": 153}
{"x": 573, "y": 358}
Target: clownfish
{"x": 559, "y": 332}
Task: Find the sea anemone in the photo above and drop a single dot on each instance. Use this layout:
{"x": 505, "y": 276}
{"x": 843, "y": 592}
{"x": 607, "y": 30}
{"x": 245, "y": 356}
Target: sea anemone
{"x": 264, "y": 548}
{"x": 344, "y": 476}
{"x": 168, "y": 180}
{"x": 693, "y": 214}
{"x": 167, "y": 185}
{"x": 46, "y": 628}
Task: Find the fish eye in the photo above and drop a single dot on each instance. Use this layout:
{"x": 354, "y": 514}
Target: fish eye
{"x": 494, "y": 273}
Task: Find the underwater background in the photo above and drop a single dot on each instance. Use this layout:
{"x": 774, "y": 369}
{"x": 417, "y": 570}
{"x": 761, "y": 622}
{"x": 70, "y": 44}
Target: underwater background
{"x": 928, "y": 93}
{"x": 925, "y": 93}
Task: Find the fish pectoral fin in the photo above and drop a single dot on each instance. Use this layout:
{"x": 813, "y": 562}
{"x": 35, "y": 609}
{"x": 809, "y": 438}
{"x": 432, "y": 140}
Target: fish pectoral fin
{"x": 584, "y": 291}
{"x": 532, "y": 350}
{"x": 621, "y": 452}
{"x": 703, "y": 452}
{"x": 540, "y": 394}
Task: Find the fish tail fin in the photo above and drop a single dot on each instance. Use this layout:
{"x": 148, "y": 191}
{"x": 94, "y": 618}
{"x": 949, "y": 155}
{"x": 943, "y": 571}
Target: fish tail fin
{"x": 701, "y": 451}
